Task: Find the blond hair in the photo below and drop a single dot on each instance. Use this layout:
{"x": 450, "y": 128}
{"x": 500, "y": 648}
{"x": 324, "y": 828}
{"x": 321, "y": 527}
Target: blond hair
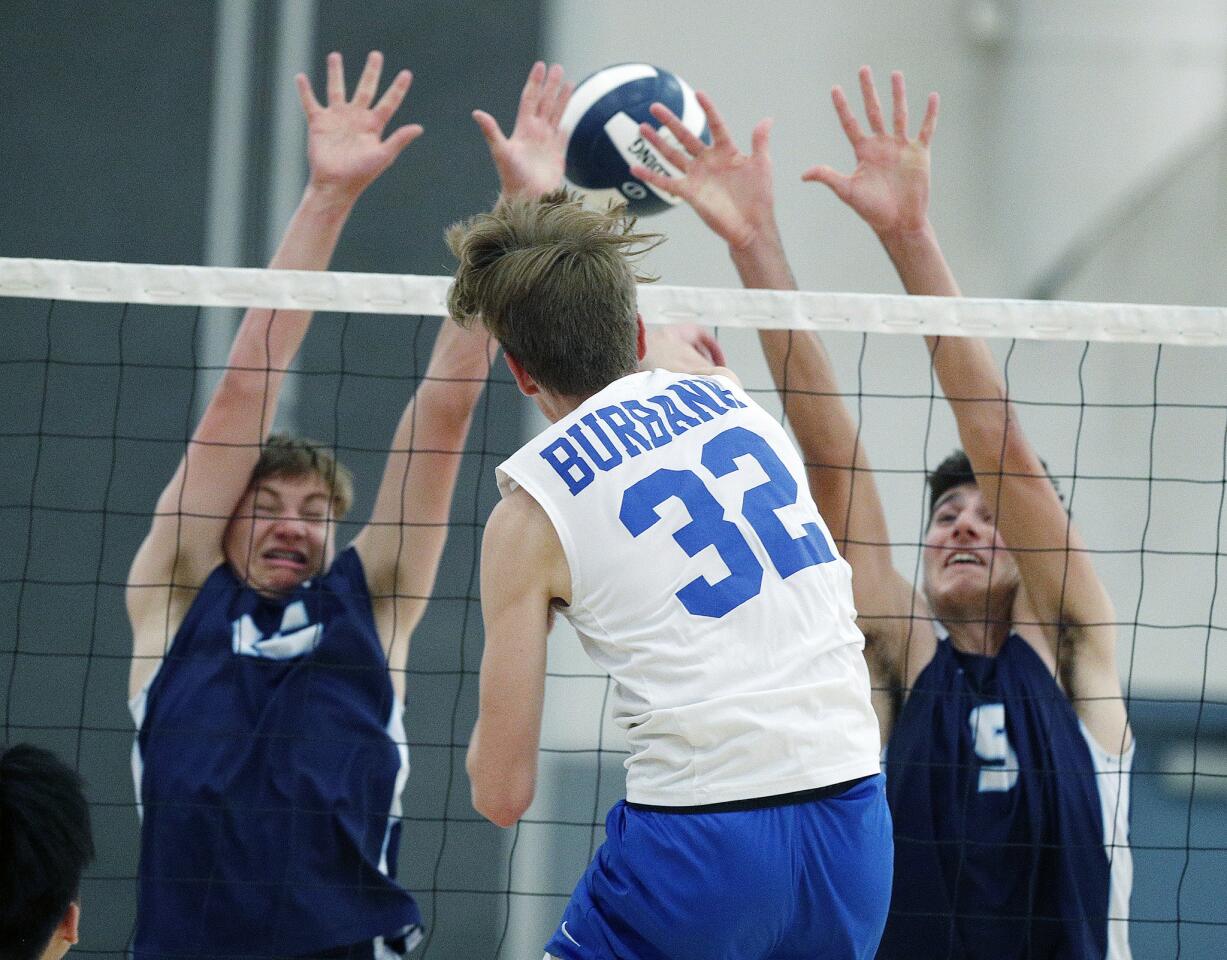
{"x": 555, "y": 284}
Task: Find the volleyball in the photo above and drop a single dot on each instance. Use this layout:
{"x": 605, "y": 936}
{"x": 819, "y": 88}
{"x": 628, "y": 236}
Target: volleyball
{"x": 602, "y": 120}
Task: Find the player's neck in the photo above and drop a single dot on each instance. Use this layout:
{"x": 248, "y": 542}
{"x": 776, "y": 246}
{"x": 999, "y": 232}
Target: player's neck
{"x": 556, "y": 406}
{"x": 984, "y": 639}
{"x": 553, "y": 405}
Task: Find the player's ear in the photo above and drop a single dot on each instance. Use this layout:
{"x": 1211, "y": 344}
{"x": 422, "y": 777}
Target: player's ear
{"x": 641, "y": 337}
{"x": 68, "y": 931}
{"x": 528, "y": 386}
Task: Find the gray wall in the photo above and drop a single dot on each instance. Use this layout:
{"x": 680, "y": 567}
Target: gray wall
{"x": 105, "y": 140}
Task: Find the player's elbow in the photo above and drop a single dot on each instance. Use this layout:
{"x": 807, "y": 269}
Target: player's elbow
{"x": 500, "y": 805}
{"x": 501, "y": 811}
{"x": 447, "y": 399}
{"x": 502, "y": 796}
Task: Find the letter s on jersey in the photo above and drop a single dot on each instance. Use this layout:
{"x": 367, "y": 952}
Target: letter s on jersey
{"x": 999, "y": 772}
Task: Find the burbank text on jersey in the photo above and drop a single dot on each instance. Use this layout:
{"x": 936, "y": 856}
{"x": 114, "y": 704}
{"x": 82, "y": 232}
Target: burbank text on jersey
{"x": 636, "y": 426}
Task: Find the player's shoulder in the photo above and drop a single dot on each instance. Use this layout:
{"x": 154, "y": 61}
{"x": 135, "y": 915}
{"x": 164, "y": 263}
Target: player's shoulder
{"x": 518, "y": 515}
{"x": 724, "y": 372}
{"x": 172, "y": 553}
{"x": 520, "y": 538}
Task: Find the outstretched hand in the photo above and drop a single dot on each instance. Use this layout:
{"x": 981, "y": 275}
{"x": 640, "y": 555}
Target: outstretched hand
{"x": 730, "y": 191}
{"x": 889, "y": 188}
{"x": 682, "y": 348}
{"x": 346, "y": 149}
{"x": 531, "y": 161}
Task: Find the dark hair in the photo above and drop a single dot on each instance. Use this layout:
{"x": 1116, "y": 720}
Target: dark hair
{"x": 952, "y": 472}
{"x": 955, "y": 471}
{"x": 555, "y": 284}
{"x": 45, "y": 843}
{"x": 286, "y": 456}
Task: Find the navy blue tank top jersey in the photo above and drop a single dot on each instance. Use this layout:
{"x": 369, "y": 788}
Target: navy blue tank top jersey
{"x": 999, "y": 839}
{"x": 270, "y": 759}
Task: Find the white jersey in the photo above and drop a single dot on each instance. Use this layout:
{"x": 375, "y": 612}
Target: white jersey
{"x": 705, "y": 583}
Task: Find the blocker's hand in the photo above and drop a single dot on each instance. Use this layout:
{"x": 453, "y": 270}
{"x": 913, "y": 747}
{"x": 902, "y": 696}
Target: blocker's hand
{"x": 531, "y": 161}
{"x": 889, "y": 189}
{"x": 346, "y": 150}
{"x": 729, "y": 190}
{"x": 682, "y": 348}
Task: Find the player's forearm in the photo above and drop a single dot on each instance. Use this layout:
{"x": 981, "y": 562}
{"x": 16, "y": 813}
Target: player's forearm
{"x": 455, "y": 378}
{"x": 806, "y": 383}
{"x": 763, "y": 264}
{"x": 974, "y": 388}
{"x": 798, "y": 362}
{"x": 267, "y": 340}
{"x": 964, "y": 366}
{"x": 313, "y": 231}
{"x": 920, "y": 263}
{"x": 839, "y": 471}
{"x": 461, "y": 353}
{"x": 501, "y": 791}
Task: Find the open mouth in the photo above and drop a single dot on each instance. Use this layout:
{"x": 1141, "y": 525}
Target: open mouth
{"x": 292, "y": 557}
{"x": 964, "y": 557}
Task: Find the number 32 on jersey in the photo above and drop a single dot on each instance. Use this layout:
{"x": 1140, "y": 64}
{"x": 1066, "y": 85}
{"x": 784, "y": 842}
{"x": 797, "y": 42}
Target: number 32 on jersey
{"x": 708, "y": 526}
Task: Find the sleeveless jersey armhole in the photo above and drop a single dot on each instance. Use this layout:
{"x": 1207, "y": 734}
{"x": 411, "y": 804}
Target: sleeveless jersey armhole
{"x": 1112, "y": 772}
{"x": 138, "y": 703}
{"x": 348, "y": 565}
{"x": 515, "y": 479}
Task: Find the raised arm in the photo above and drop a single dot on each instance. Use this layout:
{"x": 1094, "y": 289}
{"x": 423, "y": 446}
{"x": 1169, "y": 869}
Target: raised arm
{"x": 346, "y": 152}
{"x": 889, "y": 189}
{"x": 1068, "y": 607}
{"x": 523, "y": 567}
{"x": 402, "y": 545}
{"x": 531, "y": 162}
{"x": 732, "y": 193}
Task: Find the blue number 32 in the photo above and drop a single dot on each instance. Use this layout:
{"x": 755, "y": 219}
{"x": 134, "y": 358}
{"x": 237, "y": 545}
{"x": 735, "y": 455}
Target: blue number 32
{"x": 709, "y": 528}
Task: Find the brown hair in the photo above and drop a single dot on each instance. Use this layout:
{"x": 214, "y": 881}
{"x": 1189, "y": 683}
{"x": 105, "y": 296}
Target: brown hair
{"x": 286, "y": 456}
{"x": 555, "y": 284}
{"x": 955, "y": 471}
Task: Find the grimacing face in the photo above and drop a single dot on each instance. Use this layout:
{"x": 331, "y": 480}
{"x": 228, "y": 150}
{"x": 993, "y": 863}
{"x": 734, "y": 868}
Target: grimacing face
{"x": 282, "y": 533}
{"x": 968, "y": 570}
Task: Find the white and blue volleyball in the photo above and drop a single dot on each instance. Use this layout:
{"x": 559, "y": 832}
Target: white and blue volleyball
{"x": 602, "y": 120}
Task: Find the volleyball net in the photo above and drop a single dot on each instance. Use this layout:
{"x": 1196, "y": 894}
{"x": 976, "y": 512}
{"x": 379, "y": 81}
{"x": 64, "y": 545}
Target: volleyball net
{"x": 107, "y": 367}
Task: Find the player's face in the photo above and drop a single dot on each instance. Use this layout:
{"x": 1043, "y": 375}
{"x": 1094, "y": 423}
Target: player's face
{"x": 968, "y": 570}
{"x": 281, "y": 533}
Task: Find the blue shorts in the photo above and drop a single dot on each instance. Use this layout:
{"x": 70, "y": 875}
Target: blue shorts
{"x": 806, "y": 880}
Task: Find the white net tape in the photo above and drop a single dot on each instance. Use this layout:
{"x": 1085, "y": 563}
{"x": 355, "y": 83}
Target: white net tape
{"x": 427, "y": 296}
